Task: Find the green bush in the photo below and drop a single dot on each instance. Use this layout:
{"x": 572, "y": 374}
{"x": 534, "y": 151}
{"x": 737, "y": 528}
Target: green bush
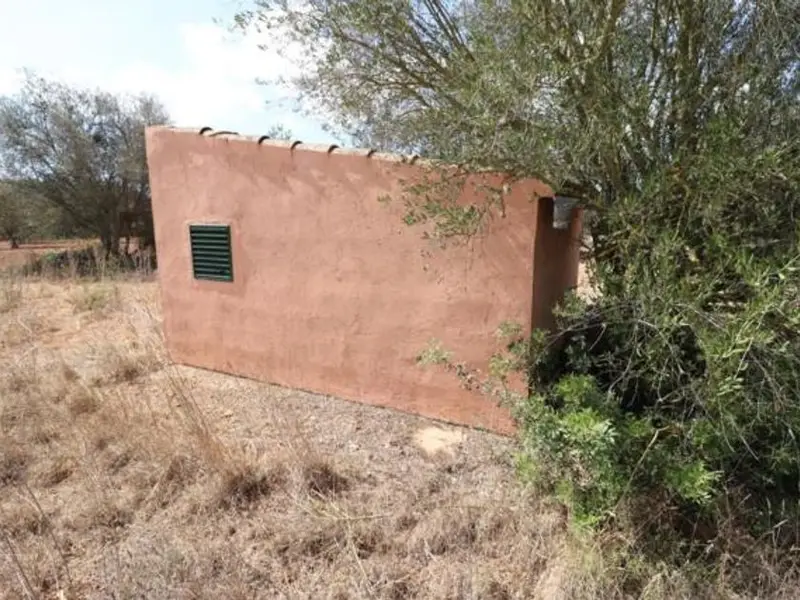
{"x": 679, "y": 386}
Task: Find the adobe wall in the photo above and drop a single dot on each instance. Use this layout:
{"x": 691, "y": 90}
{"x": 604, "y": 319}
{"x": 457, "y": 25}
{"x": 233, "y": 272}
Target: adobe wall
{"x": 332, "y": 292}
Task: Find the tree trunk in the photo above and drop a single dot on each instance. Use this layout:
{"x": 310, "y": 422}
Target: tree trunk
{"x": 110, "y": 240}
{"x": 13, "y": 243}
{"x": 107, "y": 242}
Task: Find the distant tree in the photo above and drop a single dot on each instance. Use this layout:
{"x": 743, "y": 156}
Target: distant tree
{"x": 280, "y": 132}
{"x": 26, "y": 215}
{"x": 83, "y": 150}
{"x": 15, "y": 220}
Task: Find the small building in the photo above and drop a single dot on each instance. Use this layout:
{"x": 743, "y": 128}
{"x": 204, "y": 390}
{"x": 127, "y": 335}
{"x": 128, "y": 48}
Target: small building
{"x": 278, "y": 262}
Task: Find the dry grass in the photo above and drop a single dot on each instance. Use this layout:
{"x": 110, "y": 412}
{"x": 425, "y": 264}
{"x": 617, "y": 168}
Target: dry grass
{"x": 97, "y": 299}
{"x": 28, "y": 252}
{"x": 10, "y": 294}
{"x": 124, "y": 477}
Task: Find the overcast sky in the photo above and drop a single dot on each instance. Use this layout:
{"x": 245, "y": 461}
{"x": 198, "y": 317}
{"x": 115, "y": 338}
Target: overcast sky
{"x": 172, "y": 48}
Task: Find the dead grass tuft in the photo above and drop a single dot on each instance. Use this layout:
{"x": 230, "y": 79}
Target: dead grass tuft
{"x": 125, "y": 368}
{"x": 69, "y": 373}
{"x": 100, "y": 440}
{"x": 117, "y": 458}
{"x": 447, "y": 535}
{"x": 495, "y": 591}
{"x": 321, "y": 479}
{"x": 45, "y": 432}
{"x": 98, "y": 299}
{"x": 126, "y": 364}
{"x": 23, "y": 518}
{"x": 27, "y": 412}
{"x": 14, "y": 462}
{"x": 105, "y": 514}
{"x": 322, "y": 543}
{"x": 82, "y": 401}
{"x": 181, "y": 470}
{"x": 399, "y": 588}
{"x": 240, "y": 488}
{"x": 19, "y": 380}
{"x": 55, "y": 471}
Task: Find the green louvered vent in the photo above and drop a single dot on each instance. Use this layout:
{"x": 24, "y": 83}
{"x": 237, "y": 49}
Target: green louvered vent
{"x": 211, "y": 252}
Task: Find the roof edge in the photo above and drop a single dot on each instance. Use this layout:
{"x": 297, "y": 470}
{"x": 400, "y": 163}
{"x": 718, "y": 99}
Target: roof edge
{"x": 294, "y": 145}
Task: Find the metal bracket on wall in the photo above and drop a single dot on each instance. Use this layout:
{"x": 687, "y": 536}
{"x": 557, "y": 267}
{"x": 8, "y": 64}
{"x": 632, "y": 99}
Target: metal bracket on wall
{"x": 562, "y": 211}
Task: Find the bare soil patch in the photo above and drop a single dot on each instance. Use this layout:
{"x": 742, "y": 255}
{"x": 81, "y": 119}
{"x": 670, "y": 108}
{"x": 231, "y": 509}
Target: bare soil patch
{"x": 437, "y": 440}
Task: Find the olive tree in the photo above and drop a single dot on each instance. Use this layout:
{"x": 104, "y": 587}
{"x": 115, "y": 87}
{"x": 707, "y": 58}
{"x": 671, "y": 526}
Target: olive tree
{"x": 82, "y": 150}
{"x": 678, "y": 123}
{"x": 591, "y": 97}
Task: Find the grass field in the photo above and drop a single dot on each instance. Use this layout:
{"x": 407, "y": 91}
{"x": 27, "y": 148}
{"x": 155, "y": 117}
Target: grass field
{"x": 125, "y": 477}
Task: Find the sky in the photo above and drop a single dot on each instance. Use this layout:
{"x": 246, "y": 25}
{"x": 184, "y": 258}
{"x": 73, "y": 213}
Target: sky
{"x": 204, "y": 74}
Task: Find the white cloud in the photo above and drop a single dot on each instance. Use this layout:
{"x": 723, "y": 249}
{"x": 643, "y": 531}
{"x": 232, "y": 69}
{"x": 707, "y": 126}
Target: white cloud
{"x": 10, "y": 80}
{"x": 216, "y": 82}
{"x": 211, "y": 82}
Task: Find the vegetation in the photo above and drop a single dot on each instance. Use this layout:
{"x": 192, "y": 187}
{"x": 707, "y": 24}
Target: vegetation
{"x": 664, "y": 411}
{"x": 124, "y": 476}
{"x": 83, "y": 152}
{"x": 280, "y": 132}
{"x": 15, "y": 219}
{"x": 670, "y": 402}
{"x": 27, "y": 216}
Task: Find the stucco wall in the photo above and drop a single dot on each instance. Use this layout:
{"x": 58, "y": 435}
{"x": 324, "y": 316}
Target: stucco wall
{"x": 332, "y": 292}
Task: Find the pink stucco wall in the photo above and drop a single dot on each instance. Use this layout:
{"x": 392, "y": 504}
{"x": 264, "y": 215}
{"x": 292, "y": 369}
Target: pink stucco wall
{"x": 332, "y": 292}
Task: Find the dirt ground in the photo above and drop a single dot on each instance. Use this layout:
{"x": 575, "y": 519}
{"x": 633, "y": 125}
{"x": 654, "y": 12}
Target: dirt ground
{"x": 122, "y": 476}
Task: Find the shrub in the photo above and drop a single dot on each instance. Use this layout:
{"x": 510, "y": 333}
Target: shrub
{"x": 667, "y": 405}
{"x": 89, "y": 262}
{"x": 679, "y": 383}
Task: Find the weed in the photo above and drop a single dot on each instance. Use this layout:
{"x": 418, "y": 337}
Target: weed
{"x": 95, "y": 298}
{"x": 434, "y": 354}
{"x": 242, "y": 487}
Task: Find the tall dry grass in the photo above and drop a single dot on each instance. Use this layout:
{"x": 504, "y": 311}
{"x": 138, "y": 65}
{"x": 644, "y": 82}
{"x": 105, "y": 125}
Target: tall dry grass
{"x": 124, "y": 476}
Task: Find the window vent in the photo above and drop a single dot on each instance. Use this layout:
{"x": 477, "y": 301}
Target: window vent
{"x": 211, "y": 252}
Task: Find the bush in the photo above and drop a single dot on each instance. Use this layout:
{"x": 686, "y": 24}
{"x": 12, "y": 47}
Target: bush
{"x": 677, "y": 389}
{"x": 89, "y": 262}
